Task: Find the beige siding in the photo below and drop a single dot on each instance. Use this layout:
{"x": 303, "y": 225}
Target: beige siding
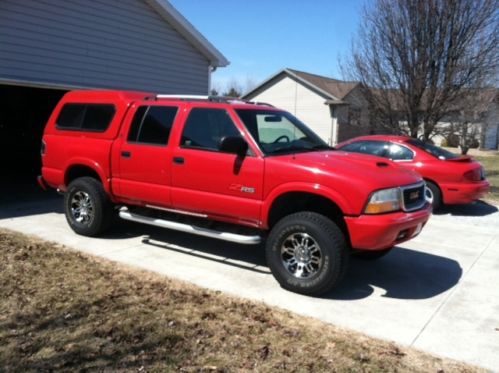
{"x": 305, "y": 104}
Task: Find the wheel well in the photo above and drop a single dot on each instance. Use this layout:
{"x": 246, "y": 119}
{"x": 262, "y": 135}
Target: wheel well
{"x": 433, "y": 182}
{"x": 79, "y": 171}
{"x": 291, "y": 203}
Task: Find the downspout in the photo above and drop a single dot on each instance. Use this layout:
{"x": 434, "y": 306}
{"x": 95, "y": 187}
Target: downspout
{"x": 211, "y": 69}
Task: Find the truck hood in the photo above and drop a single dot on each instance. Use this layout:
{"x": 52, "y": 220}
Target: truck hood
{"x": 369, "y": 170}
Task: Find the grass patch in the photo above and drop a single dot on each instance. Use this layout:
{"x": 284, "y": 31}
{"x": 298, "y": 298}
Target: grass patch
{"x": 62, "y": 310}
{"x": 491, "y": 165}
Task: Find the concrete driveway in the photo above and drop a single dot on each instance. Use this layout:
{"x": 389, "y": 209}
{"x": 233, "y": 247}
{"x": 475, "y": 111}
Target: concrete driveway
{"x": 438, "y": 292}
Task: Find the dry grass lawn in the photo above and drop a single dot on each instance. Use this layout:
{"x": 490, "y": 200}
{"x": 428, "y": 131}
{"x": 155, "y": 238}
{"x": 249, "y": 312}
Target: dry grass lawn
{"x": 61, "y": 310}
{"x": 491, "y": 165}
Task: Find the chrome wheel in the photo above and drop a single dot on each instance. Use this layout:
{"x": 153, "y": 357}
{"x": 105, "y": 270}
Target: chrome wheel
{"x": 428, "y": 195}
{"x": 82, "y": 208}
{"x": 301, "y": 255}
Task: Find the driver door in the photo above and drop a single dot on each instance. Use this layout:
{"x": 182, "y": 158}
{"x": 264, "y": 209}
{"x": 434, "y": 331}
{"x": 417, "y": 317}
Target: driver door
{"x": 208, "y": 181}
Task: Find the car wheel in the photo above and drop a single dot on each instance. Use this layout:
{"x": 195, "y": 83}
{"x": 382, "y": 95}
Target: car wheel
{"x": 307, "y": 253}
{"x": 371, "y": 254}
{"x": 433, "y": 195}
{"x": 87, "y": 207}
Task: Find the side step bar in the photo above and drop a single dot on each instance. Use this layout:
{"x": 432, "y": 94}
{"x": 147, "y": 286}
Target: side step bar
{"x": 226, "y": 236}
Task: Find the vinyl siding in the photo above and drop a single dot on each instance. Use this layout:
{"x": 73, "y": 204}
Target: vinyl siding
{"x": 99, "y": 44}
{"x": 305, "y": 104}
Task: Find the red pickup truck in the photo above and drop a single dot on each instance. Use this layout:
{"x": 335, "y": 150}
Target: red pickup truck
{"x": 226, "y": 169}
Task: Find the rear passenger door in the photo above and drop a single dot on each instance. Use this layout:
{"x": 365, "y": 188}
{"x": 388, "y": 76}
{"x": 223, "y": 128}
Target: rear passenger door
{"x": 143, "y": 173}
{"x": 208, "y": 181}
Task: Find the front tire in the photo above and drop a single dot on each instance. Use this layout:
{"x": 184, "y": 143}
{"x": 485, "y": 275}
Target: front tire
{"x": 307, "y": 253}
{"x": 87, "y": 207}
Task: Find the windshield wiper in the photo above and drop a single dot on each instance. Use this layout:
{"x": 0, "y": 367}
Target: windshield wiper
{"x": 322, "y": 147}
{"x": 294, "y": 149}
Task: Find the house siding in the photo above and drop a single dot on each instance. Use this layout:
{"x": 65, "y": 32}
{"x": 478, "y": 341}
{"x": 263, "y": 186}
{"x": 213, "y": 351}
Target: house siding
{"x": 353, "y": 119}
{"x": 97, "y": 43}
{"x": 305, "y": 104}
{"x": 491, "y": 128}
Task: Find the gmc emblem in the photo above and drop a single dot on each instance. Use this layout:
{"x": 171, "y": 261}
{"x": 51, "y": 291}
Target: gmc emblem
{"x": 414, "y": 195}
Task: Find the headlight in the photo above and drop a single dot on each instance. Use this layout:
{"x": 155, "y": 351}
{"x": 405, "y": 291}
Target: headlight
{"x": 385, "y": 200}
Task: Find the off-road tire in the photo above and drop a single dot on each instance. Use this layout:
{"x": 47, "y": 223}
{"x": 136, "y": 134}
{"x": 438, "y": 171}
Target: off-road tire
{"x": 102, "y": 209}
{"x": 332, "y": 245}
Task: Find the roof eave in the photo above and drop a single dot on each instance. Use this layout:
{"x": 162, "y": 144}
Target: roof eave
{"x": 329, "y": 97}
{"x": 188, "y": 31}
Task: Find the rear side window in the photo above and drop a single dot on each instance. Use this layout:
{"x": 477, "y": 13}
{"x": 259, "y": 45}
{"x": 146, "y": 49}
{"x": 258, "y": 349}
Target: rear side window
{"x": 85, "y": 117}
{"x": 152, "y": 125}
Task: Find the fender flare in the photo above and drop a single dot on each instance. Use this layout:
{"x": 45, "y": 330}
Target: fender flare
{"x": 94, "y": 166}
{"x": 300, "y": 187}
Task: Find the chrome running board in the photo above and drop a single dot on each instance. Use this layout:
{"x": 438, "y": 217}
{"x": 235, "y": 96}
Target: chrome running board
{"x": 225, "y": 236}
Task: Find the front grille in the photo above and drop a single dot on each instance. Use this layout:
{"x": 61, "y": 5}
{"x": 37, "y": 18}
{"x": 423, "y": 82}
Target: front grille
{"x": 413, "y": 196}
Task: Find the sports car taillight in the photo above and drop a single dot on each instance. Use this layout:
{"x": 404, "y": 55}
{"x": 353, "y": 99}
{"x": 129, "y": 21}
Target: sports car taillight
{"x": 473, "y": 175}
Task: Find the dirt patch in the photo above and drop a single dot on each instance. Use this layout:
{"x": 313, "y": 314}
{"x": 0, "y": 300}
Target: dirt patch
{"x": 62, "y": 310}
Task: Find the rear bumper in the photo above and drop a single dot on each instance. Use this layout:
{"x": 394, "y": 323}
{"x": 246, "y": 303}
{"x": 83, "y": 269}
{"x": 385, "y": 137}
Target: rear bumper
{"x": 457, "y": 193}
{"x": 378, "y": 232}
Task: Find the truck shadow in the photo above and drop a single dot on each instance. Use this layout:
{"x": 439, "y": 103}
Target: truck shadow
{"x": 401, "y": 274}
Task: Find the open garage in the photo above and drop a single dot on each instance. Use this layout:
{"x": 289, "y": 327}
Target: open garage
{"x": 50, "y": 47}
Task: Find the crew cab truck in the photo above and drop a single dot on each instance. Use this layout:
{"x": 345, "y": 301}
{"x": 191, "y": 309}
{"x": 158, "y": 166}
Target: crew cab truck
{"x": 232, "y": 170}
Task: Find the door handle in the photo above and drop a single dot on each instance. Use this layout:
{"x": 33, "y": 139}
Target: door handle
{"x": 126, "y": 154}
{"x": 178, "y": 160}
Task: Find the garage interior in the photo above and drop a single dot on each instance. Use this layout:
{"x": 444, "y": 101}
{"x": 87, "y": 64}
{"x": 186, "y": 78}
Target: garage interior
{"x": 23, "y": 114}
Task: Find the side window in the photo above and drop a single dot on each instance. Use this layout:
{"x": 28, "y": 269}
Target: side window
{"x": 399, "y": 153}
{"x": 152, "y": 125}
{"x": 377, "y": 148}
{"x": 204, "y": 128}
{"x": 85, "y": 117}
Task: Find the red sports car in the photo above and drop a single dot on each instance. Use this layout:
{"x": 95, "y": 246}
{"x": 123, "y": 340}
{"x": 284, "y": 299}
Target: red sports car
{"x": 451, "y": 178}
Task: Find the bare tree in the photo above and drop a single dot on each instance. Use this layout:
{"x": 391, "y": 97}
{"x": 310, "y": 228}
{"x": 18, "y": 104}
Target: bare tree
{"x": 417, "y": 58}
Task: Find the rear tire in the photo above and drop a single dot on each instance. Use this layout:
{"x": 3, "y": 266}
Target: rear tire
{"x": 307, "y": 253}
{"x": 433, "y": 192}
{"x": 87, "y": 207}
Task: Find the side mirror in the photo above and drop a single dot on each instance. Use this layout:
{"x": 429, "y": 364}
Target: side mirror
{"x": 234, "y": 145}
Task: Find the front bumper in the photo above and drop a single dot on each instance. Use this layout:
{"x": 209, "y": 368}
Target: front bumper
{"x": 461, "y": 193}
{"x": 378, "y": 232}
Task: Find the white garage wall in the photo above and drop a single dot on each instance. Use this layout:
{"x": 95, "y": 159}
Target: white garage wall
{"x": 305, "y": 104}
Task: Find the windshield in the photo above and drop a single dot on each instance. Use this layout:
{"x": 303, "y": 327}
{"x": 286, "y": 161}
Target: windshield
{"x": 279, "y": 132}
{"x": 433, "y": 150}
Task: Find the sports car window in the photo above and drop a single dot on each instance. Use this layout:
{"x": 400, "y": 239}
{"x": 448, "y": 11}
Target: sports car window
{"x": 398, "y": 152}
{"x": 378, "y": 148}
